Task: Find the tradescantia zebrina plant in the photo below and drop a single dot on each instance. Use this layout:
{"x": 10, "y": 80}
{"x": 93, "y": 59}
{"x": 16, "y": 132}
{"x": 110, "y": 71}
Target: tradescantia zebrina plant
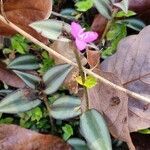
{"x": 38, "y": 88}
{"x": 92, "y": 125}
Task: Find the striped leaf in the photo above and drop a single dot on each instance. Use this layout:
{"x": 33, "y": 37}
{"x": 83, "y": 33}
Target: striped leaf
{"x": 54, "y": 77}
{"x": 103, "y": 6}
{"x": 31, "y": 80}
{"x": 27, "y": 62}
{"x": 123, "y": 5}
{"x": 17, "y": 102}
{"x": 94, "y": 130}
{"x": 66, "y": 107}
{"x": 78, "y": 144}
{"x": 52, "y": 29}
{"x": 134, "y": 24}
{"x": 5, "y": 92}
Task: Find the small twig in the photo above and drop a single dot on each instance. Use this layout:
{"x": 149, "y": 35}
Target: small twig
{"x": 45, "y": 100}
{"x": 81, "y": 71}
{"x": 107, "y": 82}
{"x": 51, "y": 51}
{"x": 108, "y": 26}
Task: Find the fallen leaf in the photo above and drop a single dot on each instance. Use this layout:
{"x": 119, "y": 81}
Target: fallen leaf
{"x": 113, "y": 104}
{"x": 138, "y": 5}
{"x": 21, "y": 100}
{"x": 131, "y": 64}
{"x": 66, "y": 49}
{"x": 93, "y": 58}
{"x": 13, "y": 137}
{"x": 99, "y": 24}
{"x": 22, "y": 13}
{"x": 10, "y": 78}
{"x": 142, "y": 8}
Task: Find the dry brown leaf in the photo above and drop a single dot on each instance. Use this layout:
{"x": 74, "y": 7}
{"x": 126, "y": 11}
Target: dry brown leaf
{"x": 113, "y": 104}
{"x": 139, "y": 5}
{"x": 142, "y": 7}
{"x": 23, "y": 12}
{"x": 93, "y": 58}
{"x": 66, "y": 49}
{"x": 99, "y": 24}
{"x": 13, "y": 137}
{"x": 131, "y": 64}
{"x": 10, "y": 78}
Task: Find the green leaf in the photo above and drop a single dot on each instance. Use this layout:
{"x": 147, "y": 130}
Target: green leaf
{"x": 95, "y": 131}
{"x": 47, "y": 62}
{"x": 116, "y": 30}
{"x": 17, "y": 102}
{"x": 103, "y": 6}
{"x": 78, "y": 144}
{"x": 1, "y": 115}
{"x": 84, "y": 5}
{"x": 7, "y": 120}
{"x": 26, "y": 62}
{"x": 145, "y": 131}
{"x": 25, "y": 124}
{"x": 123, "y": 14}
{"x": 124, "y": 4}
{"x": 90, "y": 81}
{"x": 31, "y": 80}
{"x": 19, "y": 43}
{"x": 54, "y": 77}
{"x": 52, "y": 29}
{"x": 135, "y": 24}
{"x": 66, "y": 107}
{"x": 68, "y": 131}
{"x": 36, "y": 114}
{"x": 114, "y": 35}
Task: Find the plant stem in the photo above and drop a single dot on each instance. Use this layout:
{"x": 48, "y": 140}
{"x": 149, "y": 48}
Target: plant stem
{"x": 54, "y": 53}
{"x": 82, "y": 74}
{"x": 109, "y": 23}
{"x": 49, "y": 112}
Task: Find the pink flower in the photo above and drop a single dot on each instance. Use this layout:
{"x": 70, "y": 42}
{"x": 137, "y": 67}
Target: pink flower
{"x": 82, "y": 38}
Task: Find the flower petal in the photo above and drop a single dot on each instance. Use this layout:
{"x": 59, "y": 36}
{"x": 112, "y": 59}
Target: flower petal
{"x": 81, "y": 45}
{"x": 75, "y": 29}
{"x": 89, "y": 36}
